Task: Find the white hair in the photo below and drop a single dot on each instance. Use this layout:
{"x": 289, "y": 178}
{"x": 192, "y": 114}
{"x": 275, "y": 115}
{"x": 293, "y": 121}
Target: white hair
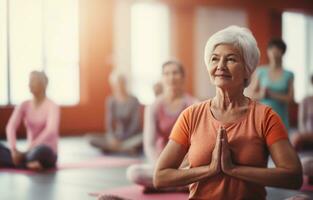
{"x": 241, "y": 38}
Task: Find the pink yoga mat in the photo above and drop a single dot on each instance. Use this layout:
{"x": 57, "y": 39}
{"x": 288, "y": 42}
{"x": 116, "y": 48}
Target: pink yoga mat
{"x": 134, "y": 192}
{"x": 305, "y": 185}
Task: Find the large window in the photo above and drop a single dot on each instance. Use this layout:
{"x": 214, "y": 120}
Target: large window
{"x": 3, "y": 53}
{"x": 39, "y": 35}
{"x": 297, "y": 32}
{"x": 149, "y": 47}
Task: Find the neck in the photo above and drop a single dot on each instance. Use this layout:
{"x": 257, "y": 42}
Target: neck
{"x": 121, "y": 96}
{"x": 39, "y": 98}
{"x": 227, "y": 99}
{"x": 276, "y": 64}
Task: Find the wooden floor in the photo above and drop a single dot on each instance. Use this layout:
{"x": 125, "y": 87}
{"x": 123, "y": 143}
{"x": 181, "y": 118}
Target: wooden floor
{"x": 75, "y": 184}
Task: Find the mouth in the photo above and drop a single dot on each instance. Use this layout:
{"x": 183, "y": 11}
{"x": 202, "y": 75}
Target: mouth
{"x": 223, "y": 76}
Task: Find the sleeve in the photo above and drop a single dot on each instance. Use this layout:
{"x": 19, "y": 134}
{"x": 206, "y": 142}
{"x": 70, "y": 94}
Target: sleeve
{"x": 134, "y": 119}
{"x": 149, "y": 134}
{"x": 51, "y": 131}
{"x": 13, "y": 124}
{"x": 274, "y": 129}
{"x": 181, "y": 130}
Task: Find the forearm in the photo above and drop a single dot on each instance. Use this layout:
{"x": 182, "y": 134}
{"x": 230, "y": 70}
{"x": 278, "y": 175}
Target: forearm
{"x": 181, "y": 177}
{"x": 280, "y": 97}
{"x": 273, "y": 177}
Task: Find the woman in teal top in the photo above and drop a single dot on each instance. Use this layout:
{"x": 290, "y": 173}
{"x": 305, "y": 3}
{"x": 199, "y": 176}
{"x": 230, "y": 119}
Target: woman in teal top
{"x": 273, "y": 85}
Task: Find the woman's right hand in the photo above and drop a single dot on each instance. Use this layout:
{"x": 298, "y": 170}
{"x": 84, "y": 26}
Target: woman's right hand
{"x": 17, "y": 157}
{"x": 215, "y": 165}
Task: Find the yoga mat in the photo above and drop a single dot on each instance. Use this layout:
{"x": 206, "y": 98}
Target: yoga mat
{"x": 305, "y": 185}
{"x": 134, "y": 192}
{"x": 100, "y": 162}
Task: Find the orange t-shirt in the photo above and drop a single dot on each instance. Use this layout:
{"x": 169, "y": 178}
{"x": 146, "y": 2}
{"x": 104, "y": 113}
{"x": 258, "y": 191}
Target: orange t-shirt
{"x": 249, "y": 138}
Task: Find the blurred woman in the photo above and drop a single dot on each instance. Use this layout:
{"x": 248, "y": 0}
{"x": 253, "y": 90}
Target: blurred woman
{"x": 41, "y": 117}
{"x": 303, "y": 139}
{"x": 229, "y": 137}
{"x": 272, "y": 84}
{"x": 159, "y": 120}
{"x": 122, "y": 120}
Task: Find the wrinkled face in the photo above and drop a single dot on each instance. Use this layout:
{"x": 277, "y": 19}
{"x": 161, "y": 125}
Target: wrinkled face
{"x": 36, "y": 85}
{"x": 274, "y": 54}
{"x": 172, "y": 76}
{"x": 226, "y": 67}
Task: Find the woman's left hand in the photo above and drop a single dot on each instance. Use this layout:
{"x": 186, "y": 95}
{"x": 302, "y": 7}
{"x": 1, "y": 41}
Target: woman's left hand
{"x": 226, "y": 160}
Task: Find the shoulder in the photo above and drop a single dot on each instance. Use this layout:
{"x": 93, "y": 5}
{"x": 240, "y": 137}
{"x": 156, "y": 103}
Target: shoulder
{"x": 133, "y": 99}
{"x": 288, "y": 73}
{"x": 264, "y": 114}
{"x": 23, "y": 106}
{"x": 52, "y": 104}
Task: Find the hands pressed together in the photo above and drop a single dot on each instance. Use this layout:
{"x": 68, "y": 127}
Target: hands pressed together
{"x": 221, "y": 161}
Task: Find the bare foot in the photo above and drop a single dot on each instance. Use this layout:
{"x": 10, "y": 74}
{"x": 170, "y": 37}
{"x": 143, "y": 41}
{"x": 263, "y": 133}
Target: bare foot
{"x": 34, "y": 165}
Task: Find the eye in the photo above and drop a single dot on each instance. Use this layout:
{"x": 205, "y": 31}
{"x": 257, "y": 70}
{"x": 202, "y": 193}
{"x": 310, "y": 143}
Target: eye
{"x": 231, "y": 60}
{"x": 214, "y": 59}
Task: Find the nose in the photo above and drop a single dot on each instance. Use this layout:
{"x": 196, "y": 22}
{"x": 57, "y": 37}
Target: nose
{"x": 221, "y": 65}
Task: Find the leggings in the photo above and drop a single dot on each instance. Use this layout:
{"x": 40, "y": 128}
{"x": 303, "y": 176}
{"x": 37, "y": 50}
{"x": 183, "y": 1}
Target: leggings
{"x": 41, "y": 153}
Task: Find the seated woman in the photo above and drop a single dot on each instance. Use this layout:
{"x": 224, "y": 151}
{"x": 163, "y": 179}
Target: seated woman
{"x": 41, "y": 118}
{"x": 303, "y": 139}
{"x": 229, "y": 137}
{"x": 159, "y": 120}
{"x": 122, "y": 120}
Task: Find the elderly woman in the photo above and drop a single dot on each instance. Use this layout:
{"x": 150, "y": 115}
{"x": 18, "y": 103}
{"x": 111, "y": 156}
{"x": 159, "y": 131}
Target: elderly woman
{"x": 122, "y": 120}
{"x": 229, "y": 137}
{"x": 160, "y": 118}
{"x": 272, "y": 84}
{"x": 41, "y": 118}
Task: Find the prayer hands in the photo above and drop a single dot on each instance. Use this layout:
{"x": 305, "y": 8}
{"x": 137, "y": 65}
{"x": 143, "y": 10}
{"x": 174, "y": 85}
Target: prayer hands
{"x": 221, "y": 156}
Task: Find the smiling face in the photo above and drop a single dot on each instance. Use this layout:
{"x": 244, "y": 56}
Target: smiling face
{"x": 226, "y": 67}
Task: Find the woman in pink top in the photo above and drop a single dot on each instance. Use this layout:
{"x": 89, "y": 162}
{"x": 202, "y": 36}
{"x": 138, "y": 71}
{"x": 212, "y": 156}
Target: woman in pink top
{"x": 229, "y": 138}
{"x": 159, "y": 119}
{"x": 41, "y": 118}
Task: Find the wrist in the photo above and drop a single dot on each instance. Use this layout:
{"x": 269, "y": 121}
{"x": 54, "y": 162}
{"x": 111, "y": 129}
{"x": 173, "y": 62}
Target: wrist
{"x": 231, "y": 170}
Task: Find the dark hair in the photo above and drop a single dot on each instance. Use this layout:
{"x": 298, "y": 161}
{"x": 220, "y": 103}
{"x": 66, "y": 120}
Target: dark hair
{"x": 177, "y": 63}
{"x": 278, "y": 43}
{"x": 312, "y": 78}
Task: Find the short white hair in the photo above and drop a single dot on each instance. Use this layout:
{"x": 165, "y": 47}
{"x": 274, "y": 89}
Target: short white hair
{"x": 241, "y": 38}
